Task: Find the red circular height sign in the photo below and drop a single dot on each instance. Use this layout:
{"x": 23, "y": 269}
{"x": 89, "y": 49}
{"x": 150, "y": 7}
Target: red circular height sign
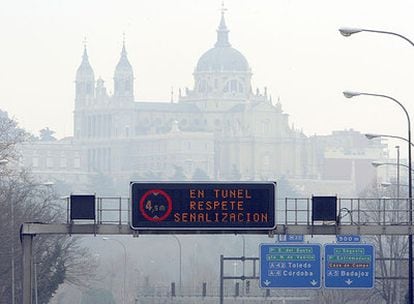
{"x": 155, "y": 205}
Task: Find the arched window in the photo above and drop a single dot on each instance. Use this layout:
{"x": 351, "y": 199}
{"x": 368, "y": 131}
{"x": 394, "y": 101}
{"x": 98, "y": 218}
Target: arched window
{"x": 89, "y": 89}
{"x": 202, "y": 87}
{"x": 233, "y": 86}
{"x": 266, "y": 166}
{"x": 265, "y": 126}
{"x": 241, "y": 87}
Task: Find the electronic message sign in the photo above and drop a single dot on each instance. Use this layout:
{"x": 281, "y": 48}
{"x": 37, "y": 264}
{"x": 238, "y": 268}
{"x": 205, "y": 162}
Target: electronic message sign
{"x": 290, "y": 266}
{"x": 203, "y": 206}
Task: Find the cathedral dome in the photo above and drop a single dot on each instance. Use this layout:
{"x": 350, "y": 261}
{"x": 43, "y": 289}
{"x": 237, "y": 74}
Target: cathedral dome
{"x": 222, "y": 57}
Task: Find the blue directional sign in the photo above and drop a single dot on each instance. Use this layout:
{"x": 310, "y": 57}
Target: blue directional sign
{"x": 290, "y": 266}
{"x": 349, "y": 266}
{"x": 203, "y": 206}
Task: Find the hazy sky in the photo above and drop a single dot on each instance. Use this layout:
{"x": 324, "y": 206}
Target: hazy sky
{"x": 292, "y": 46}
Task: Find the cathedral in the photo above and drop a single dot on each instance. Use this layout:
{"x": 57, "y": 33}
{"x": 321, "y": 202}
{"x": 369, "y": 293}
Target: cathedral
{"x": 221, "y": 129}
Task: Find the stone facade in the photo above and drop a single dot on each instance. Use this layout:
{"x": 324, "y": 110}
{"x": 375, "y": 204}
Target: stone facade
{"x": 221, "y": 129}
{"x": 220, "y": 126}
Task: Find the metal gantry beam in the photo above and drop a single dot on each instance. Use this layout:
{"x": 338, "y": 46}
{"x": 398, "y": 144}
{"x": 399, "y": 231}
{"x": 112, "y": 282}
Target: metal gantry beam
{"x": 110, "y": 229}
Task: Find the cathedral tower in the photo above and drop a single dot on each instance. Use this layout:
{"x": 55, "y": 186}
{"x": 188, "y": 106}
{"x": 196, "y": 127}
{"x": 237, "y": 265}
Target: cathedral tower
{"x": 124, "y": 78}
{"x": 85, "y": 82}
{"x": 85, "y": 95}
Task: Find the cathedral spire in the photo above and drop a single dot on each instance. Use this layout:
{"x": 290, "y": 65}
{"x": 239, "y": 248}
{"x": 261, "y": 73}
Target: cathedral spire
{"x": 85, "y": 71}
{"x": 85, "y": 79}
{"x": 222, "y": 31}
{"x": 123, "y": 62}
{"x": 84, "y": 46}
{"x": 85, "y": 67}
{"x": 124, "y": 76}
{"x": 85, "y": 54}
{"x": 123, "y": 52}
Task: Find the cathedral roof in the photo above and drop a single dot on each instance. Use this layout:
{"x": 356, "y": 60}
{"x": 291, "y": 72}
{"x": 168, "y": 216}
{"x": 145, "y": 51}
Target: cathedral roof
{"x": 242, "y": 107}
{"x": 166, "y": 107}
{"x": 222, "y": 57}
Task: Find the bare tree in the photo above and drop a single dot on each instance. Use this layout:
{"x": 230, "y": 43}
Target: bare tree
{"x": 326, "y": 296}
{"x": 56, "y": 258}
{"x": 10, "y": 136}
{"x": 391, "y": 250}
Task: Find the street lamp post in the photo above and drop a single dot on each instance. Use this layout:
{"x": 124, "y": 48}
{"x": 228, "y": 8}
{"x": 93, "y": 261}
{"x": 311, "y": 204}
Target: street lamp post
{"x": 348, "y": 31}
{"x": 13, "y": 289}
{"x": 13, "y": 267}
{"x": 12, "y": 244}
{"x": 349, "y": 94}
{"x": 397, "y": 164}
{"x": 35, "y": 279}
{"x": 372, "y": 136}
{"x": 243, "y": 262}
{"x": 47, "y": 184}
{"x": 398, "y": 171}
{"x": 378, "y": 163}
{"x": 180, "y": 262}
{"x": 125, "y": 259}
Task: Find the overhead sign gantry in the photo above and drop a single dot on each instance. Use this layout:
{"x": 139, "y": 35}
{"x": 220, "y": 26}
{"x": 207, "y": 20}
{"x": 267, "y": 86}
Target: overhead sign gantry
{"x": 190, "y": 207}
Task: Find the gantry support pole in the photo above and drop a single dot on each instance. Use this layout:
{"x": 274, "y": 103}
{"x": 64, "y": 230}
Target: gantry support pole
{"x": 27, "y": 246}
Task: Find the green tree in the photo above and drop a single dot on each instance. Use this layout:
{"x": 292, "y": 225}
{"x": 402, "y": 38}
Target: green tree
{"x": 46, "y": 134}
